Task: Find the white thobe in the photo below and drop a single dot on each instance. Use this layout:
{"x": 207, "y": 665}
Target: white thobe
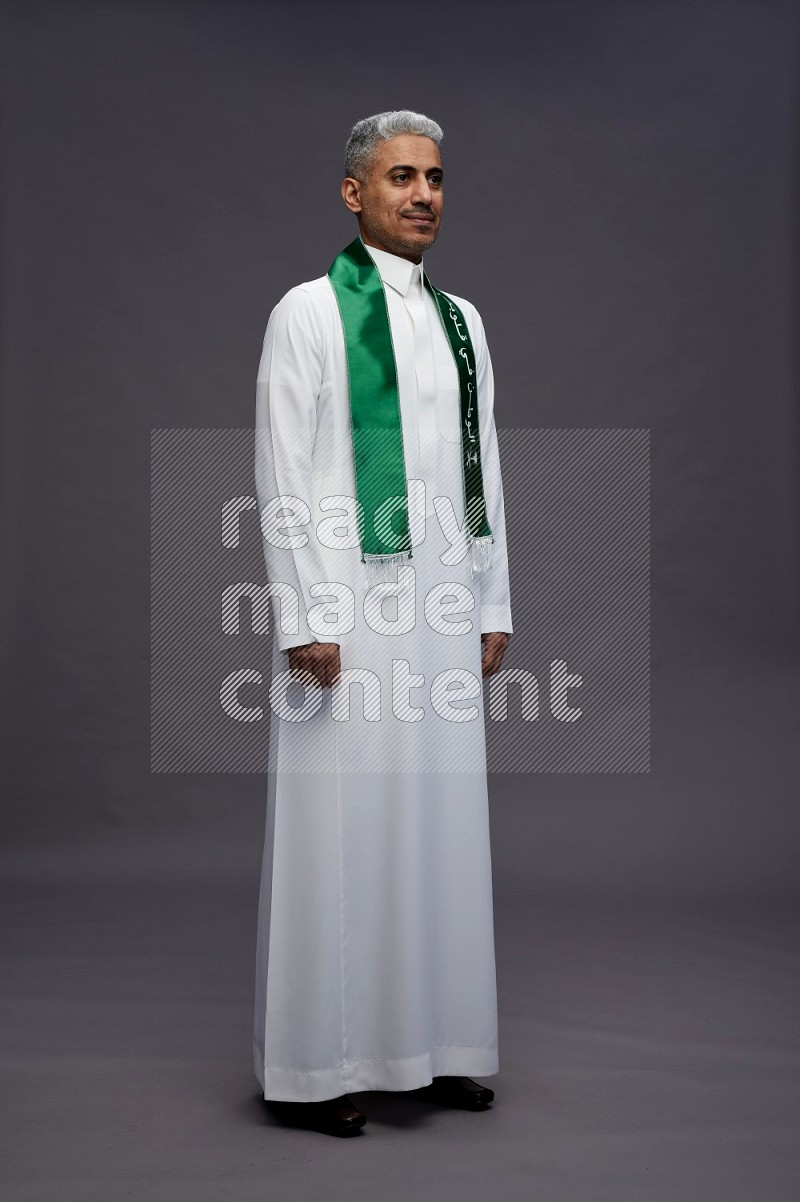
{"x": 375, "y": 963}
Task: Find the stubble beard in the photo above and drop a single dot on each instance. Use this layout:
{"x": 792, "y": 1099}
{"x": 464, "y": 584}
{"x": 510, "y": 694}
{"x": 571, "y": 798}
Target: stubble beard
{"x": 394, "y": 241}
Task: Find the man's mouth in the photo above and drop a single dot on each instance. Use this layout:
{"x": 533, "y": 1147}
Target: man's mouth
{"x": 422, "y": 218}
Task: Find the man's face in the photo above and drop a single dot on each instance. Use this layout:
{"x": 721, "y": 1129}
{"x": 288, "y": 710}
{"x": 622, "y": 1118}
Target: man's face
{"x": 399, "y": 204}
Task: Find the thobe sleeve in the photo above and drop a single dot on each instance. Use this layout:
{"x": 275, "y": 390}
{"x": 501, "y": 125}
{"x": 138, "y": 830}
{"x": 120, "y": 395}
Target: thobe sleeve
{"x": 287, "y": 391}
{"x": 494, "y": 584}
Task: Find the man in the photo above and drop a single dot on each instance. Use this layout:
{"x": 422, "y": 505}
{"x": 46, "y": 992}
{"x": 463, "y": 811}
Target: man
{"x": 381, "y": 505}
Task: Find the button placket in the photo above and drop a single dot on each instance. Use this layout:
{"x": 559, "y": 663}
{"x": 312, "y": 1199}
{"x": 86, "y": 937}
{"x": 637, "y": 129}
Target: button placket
{"x": 425, "y": 378}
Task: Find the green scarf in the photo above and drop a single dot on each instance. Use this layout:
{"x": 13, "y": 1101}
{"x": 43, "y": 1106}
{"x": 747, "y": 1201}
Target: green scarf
{"x": 380, "y": 474}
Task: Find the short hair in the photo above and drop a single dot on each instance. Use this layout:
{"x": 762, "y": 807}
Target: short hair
{"x": 365, "y": 136}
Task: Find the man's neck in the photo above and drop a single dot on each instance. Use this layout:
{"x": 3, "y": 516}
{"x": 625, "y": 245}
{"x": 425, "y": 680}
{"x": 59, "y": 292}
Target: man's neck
{"x": 410, "y": 257}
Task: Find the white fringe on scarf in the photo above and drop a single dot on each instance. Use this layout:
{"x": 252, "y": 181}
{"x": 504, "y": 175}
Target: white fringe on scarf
{"x": 383, "y": 569}
{"x": 481, "y": 551}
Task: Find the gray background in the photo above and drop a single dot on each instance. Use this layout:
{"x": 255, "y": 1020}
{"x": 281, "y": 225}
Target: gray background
{"x": 621, "y": 206}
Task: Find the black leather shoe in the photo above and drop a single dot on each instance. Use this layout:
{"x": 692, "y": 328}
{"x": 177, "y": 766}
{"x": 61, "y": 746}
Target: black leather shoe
{"x": 461, "y": 1092}
{"x": 333, "y": 1116}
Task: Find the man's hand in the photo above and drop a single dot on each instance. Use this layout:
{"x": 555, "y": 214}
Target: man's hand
{"x": 320, "y": 659}
{"x": 494, "y": 648}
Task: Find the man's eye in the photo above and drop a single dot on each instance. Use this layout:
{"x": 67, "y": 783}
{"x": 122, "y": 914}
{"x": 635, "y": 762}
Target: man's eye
{"x": 402, "y": 175}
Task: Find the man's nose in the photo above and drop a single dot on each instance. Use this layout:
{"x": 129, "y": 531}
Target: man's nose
{"x": 421, "y": 193}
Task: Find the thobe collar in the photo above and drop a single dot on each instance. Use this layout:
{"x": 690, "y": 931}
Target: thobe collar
{"x": 399, "y": 273}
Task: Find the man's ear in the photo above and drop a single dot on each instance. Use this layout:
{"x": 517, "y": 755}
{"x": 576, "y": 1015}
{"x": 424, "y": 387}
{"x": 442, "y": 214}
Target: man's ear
{"x": 351, "y": 194}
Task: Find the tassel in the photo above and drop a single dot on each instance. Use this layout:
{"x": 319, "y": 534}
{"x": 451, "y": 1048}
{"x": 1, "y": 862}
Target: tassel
{"x": 383, "y": 569}
{"x": 481, "y": 554}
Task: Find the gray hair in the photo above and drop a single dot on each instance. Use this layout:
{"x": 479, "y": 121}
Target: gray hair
{"x": 365, "y": 136}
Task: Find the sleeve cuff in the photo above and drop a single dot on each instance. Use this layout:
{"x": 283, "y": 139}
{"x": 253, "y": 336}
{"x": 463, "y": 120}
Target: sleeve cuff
{"x": 496, "y": 617}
